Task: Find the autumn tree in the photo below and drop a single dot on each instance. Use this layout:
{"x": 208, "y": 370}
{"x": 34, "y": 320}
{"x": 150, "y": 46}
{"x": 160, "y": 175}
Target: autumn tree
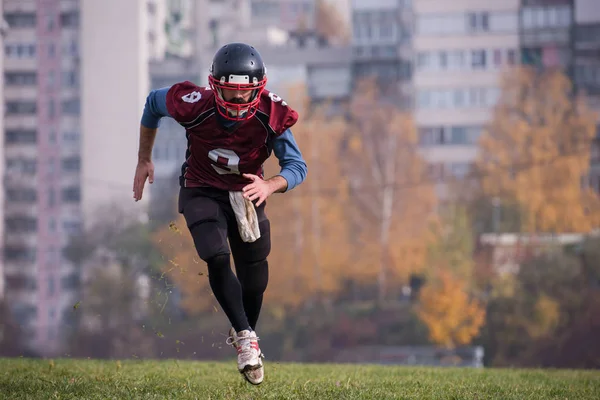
{"x": 450, "y": 304}
{"x": 452, "y": 316}
{"x": 536, "y": 150}
{"x": 393, "y": 202}
{"x": 117, "y": 263}
{"x": 309, "y": 256}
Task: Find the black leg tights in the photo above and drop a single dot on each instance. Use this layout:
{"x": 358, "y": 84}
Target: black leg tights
{"x": 227, "y": 291}
{"x": 253, "y": 278}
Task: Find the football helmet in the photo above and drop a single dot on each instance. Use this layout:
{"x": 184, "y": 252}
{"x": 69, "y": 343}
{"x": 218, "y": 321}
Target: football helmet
{"x": 237, "y": 66}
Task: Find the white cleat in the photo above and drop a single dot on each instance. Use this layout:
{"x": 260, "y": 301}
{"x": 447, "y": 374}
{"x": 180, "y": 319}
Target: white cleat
{"x": 249, "y": 355}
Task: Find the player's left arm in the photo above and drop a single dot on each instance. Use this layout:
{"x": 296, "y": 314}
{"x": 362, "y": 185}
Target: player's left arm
{"x": 293, "y": 170}
{"x": 292, "y": 164}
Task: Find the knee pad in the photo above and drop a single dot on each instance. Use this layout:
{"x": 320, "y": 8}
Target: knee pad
{"x": 210, "y": 240}
{"x": 218, "y": 262}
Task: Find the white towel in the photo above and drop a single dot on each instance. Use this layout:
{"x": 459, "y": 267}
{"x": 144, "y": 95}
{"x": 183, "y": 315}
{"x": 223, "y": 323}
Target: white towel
{"x": 246, "y": 217}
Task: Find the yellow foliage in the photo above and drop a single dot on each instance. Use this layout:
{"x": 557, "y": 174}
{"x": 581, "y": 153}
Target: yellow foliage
{"x": 452, "y": 317}
{"x": 309, "y": 224}
{"x": 393, "y": 203}
{"x": 536, "y": 151}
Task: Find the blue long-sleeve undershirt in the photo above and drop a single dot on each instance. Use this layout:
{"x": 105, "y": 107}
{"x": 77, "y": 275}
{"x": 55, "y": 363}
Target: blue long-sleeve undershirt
{"x": 285, "y": 148}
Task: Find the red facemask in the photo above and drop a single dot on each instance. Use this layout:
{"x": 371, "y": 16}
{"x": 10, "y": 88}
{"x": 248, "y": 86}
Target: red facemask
{"x": 237, "y": 111}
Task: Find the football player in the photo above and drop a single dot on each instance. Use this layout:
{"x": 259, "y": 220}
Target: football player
{"x": 232, "y": 127}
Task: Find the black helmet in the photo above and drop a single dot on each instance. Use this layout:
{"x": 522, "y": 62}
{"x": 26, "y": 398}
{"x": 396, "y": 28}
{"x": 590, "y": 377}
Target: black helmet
{"x": 237, "y": 66}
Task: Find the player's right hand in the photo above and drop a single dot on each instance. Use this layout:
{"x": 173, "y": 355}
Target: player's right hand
{"x": 143, "y": 171}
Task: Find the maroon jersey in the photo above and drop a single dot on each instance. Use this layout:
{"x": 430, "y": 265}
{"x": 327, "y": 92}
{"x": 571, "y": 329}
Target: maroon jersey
{"x": 217, "y": 156}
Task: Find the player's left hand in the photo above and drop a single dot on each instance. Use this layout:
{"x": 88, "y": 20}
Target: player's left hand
{"x": 259, "y": 189}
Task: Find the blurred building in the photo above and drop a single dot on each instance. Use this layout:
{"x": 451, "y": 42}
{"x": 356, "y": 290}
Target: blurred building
{"x": 324, "y": 70}
{"x": 546, "y": 36}
{"x": 586, "y": 51}
{"x": 382, "y": 46}
{"x": 461, "y": 48}
{"x": 3, "y": 32}
{"x": 565, "y": 34}
{"x": 42, "y": 174}
{"x": 59, "y": 136}
{"x": 288, "y": 14}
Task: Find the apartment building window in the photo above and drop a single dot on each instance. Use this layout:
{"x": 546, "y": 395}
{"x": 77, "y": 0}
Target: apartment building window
{"x": 23, "y": 107}
{"x": 264, "y": 9}
{"x": 72, "y": 227}
{"x": 449, "y": 135}
{"x": 52, "y": 225}
{"x": 546, "y": 17}
{"x": 16, "y": 20}
{"x": 456, "y": 60}
{"x": 595, "y": 156}
{"x": 70, "y": 79}
{"x": 50, "y": 23}
{"x": 71, "y": 48}
{"x": 71, "y": 107}
{"x": 457, "y": 98}
{"x": 20, "y": 78}
{"x": 587, "y": 33}
{"x": 70, "y": 282}
{"x": 71, "y": 19}
{"x": 424, "y": 60}
{"x": 27, "y": 166}
{"x": 465, "y": 23}
{"x": 20, "y": 136}
{"x": 71, "y": 194}
{"x": 19, "y": 253}
{"x": 478, "y": 59}
{"x": 588, "y": 74}
{"x": 51, "y": 79}
{"x": 71, "y": 164}
{"x": 70, "y": 137}
{"x": 51, "y": 108}
{"x": 387, "y": 30}
{"x": 51, "y": 286}
{"x": 20, "y": 50}
{"x": 511, "y": 56}
{"x": 21, "y": 224}
{"x": 51, "y": 197}
{"x": 478, "y": 21}
{"x": 465, "y": 135}
{"x": 51, "y": 167}
{"x": 459, "y": 170}
{"x": 531, "y": 56}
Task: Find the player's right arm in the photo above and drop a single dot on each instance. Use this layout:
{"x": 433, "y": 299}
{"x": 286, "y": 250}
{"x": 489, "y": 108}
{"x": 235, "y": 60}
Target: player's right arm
{"x": 183, "y": 102}
{"x": 154, "y": 109}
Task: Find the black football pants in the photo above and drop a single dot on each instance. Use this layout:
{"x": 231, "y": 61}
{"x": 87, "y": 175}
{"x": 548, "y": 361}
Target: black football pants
{"x": 211, "y": 222}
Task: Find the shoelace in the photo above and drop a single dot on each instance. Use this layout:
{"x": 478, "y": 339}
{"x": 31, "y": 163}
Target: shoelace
{"x": 232, "y": 340}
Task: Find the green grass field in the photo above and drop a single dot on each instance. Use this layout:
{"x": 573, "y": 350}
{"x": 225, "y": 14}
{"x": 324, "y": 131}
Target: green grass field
{"x": 89, "y": 379}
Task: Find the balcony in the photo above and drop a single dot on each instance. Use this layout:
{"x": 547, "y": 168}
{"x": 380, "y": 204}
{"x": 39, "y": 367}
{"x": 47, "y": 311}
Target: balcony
{"x": 587, "y": 37}
{"x": 20, "y": 92}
